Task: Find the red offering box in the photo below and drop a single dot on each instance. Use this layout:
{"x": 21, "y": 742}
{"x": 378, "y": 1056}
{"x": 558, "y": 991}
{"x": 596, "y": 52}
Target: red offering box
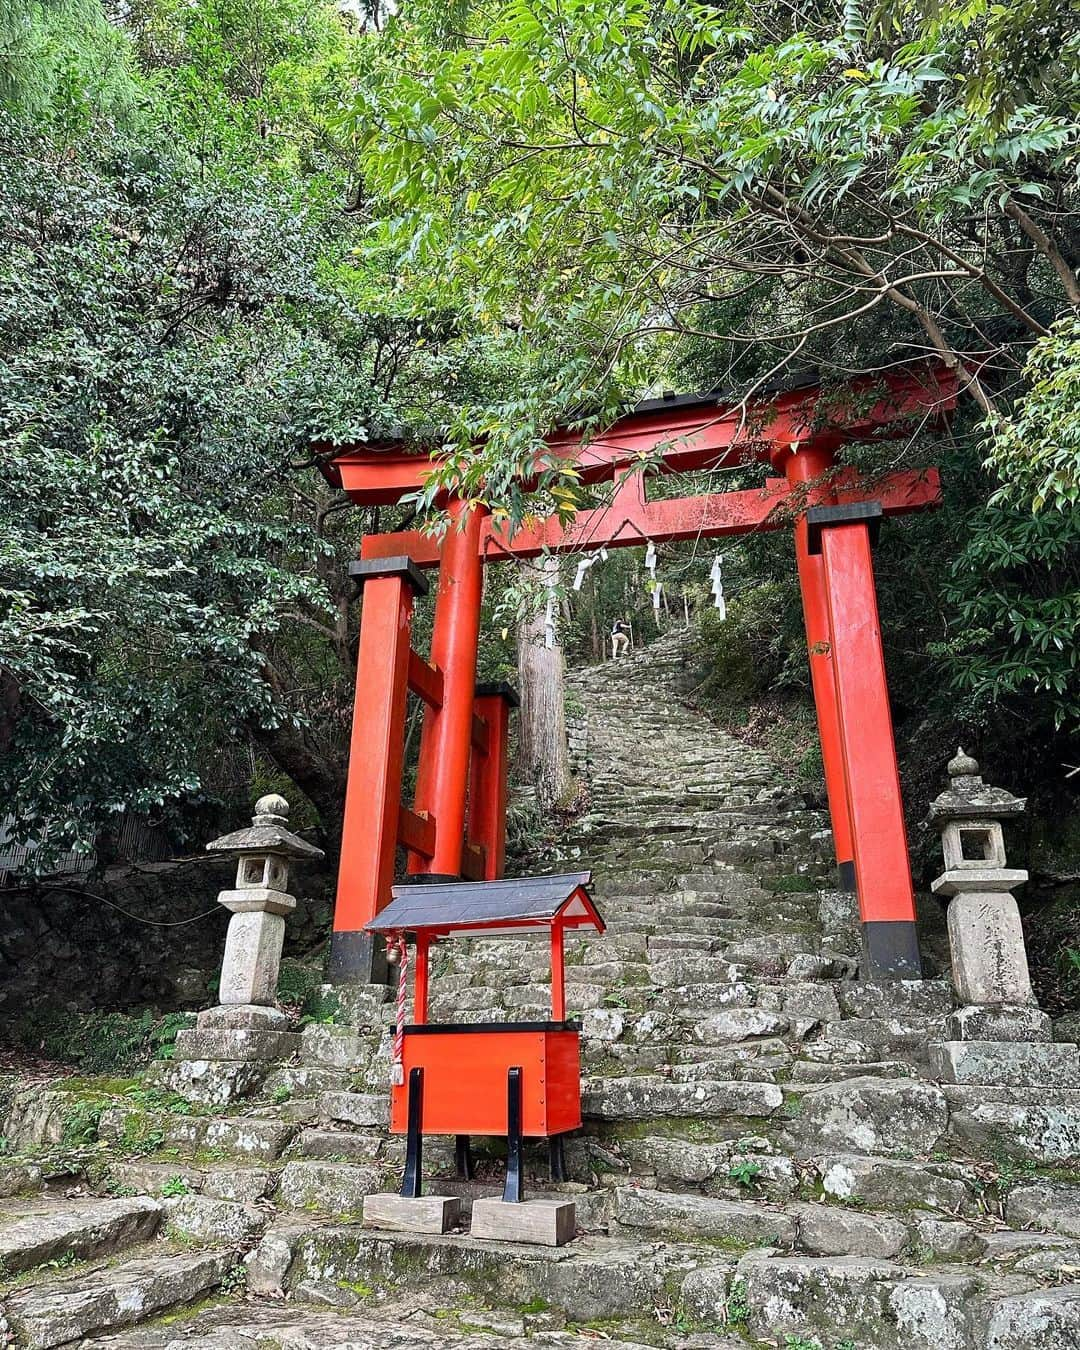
{"x": 465, "y": 1068}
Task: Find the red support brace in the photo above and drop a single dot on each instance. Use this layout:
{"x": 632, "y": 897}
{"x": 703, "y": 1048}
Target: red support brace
{"x": 373, "y": 789}
{"x": 882, "y": 866}
{"x": 420, "y": 987}
{"x": 488, "y": 778}
{"x": 558, "y": 974}
{"x": 807, "y": 467}
{"x": 446, "y": 740}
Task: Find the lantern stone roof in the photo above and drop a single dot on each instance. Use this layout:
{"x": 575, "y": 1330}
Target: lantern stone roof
{"x": 509, "y": 908}
{"x": 968, "y": 797}
{"x": 267, "y": 834}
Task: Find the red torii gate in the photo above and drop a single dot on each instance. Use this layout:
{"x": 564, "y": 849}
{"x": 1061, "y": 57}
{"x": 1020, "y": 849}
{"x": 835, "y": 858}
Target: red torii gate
{"x": 456, "y": 826}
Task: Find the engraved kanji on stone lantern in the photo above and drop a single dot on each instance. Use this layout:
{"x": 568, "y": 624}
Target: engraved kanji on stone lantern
{"x": 986, "y": 940}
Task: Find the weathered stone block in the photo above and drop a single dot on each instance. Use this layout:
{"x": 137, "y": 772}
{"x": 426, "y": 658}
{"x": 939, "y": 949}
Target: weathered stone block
{"x": 236, "y": 1044}
{"x": 213, "y": 1082}
{"x": 645, "y": 1097}
{"x": 249, "y": 1136}
{"x": 1046, "y": 1319}
{"x": 268, "y": 1263}
{"x": 333, "y": 1047}
{"x": 243, "y": 1184}
{"x": 949, "y": 1239}
{"x": 212, "y": 1220}
{"x": 871, "y": 1301}
{"x": 113, "y": 1299}
{"x": 1040, "y": 1124}
{"x": 546, "y": 1222}
{"x": 341, "y": 1145}
{"x": 16, "y": 1178}
{"x": 330, "y": 1188}
{"x": 888, "y": 1184}
{"x": 1050, "y": 1205}
{"x": 355, "y": 1108}
{"x": 409, "y": 1214}
{"x": 82, "y": 1228}
{"x": 874, "y": 1116}
{"x": 702, "y": 1216}
{"x": 602, "y": 1024}
{"x": 739, "y": 1024}
{"x": 998, "y": 1023}
{"x": 897, "y": 998}
{"x": 242, "y": 1017}
{"x": 705, "y": 1290}
{"x": 1007, "y": 1063}
{"x": 830, "y": 1230}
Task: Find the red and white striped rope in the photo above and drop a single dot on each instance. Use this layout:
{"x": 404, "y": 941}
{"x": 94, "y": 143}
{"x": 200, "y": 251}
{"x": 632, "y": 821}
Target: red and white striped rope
{"x": 397, "y": 1067}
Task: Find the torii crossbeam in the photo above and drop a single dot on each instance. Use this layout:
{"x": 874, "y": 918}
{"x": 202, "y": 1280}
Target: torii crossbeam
{"x": 456, "y": 826}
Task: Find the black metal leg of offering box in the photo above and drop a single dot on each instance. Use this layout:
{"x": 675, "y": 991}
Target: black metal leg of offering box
{"x": 557, "y": 1158}
{"x": 414, "y": 1147}
{"x": 463, "y": 1157}
{"x": 513, "y": 1192}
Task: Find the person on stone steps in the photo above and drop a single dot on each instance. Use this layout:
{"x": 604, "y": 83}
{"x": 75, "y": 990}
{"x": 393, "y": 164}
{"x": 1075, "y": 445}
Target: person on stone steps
{"x": 620, "y": 638}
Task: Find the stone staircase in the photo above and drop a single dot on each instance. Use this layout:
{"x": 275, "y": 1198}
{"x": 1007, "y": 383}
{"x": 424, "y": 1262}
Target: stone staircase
{"x": 767, "y": 1157}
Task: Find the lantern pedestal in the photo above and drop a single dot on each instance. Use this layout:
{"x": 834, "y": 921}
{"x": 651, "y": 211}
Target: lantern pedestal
{"x": 986, "y": 940}
{"x": 550, "y": 1223}
{"x": 412, "y": 1214}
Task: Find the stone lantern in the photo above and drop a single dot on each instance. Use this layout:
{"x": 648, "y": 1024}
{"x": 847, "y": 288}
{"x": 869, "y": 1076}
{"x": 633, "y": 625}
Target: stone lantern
{"x": 985, "y": 937}
{"x": 233, "y": 1047}
{"x": 258, "y": 903}
{"x": 999, "y": 1036}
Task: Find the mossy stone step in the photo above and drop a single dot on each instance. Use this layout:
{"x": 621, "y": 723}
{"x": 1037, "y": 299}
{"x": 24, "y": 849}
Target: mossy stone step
{"x": 592, "y": 1278}
{"x": 34, "y": 1233}
{"x": 114, "y": 1297}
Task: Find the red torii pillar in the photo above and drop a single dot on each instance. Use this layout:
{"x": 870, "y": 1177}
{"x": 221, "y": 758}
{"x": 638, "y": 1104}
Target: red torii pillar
{"x": 446, "y": 741}
{"x": 805, "y": 470}
{"x": 373, "y": 799}
{"x": 841, "y": 536}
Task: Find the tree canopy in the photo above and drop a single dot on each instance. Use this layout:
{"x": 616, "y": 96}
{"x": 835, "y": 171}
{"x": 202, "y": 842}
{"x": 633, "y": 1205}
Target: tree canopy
{"x": 237, "y": 227}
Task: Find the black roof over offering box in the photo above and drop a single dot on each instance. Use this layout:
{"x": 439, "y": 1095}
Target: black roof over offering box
{"x": 512, "y": 906}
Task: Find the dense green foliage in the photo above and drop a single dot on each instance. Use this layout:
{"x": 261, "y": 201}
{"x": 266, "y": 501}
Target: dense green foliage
{"x": 184, "y": 308}
{"x": 238, "y": 227}
{"x": 656, "y": 193}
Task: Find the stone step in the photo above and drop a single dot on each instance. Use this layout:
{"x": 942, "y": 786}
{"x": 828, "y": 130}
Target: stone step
{"x": 328, "y": 1187}
{"x": 1006, "y": 1063}
{"x": 36, "y": 1232}
{"x": 886, "y": 1117}
{"x": 740, "y": 1223}
{"x": 114, "y": 1297}
{"x": 333, "y": 1047}
{"x": 244, "y": 1184}
{"x": 340, "y": 1145}
{"x": 819, "y": 1300}
{"x": 248, "y": 1136}
{"x": 1041, "y": 1124}
{"x": 364, "y": 1110}
{"x": 409, "y": 1325}
{"x": 892, "y": 1183}
{"x": 20, "y": 1178}
{"x": 590, "y": 1279}
{"x": 729, "y": 1166}
{"x": 647, "y": 1097}
{"x": 216, "y": 1222}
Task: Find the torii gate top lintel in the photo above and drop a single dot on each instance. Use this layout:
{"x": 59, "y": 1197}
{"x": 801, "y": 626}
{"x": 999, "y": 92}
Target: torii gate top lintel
{"x": 687, "y": 433}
